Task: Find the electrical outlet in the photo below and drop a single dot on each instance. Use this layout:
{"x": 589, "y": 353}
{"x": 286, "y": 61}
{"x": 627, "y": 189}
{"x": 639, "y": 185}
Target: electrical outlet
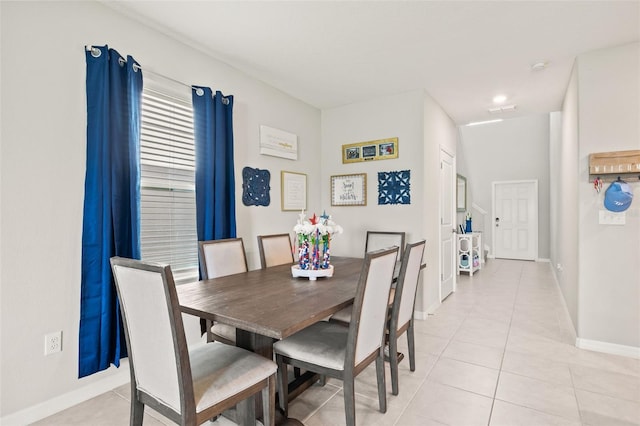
{"x": 53, "y": 342}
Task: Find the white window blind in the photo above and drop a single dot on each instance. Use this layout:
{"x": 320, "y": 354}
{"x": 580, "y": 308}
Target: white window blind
{"x": 167, "y": 181}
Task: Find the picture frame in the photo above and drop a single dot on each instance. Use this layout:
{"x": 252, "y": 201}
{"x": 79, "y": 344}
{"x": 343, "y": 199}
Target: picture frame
{"x": 293, "y": 187}
{"x": 461, "y": 193}
{"x": 381, "y": 149}
{"x": 349, "y": 190}
{"x": 278, "y": 143}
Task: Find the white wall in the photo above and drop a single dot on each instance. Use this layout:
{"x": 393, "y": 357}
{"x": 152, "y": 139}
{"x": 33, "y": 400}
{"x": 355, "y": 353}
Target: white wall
{"x": 395, "y": 116}
{"x": 43, "y": 166}
{"x": 609, "y": 256}
{"x": 565, "y": 197}
{"x": 514, "y": 149}
{"x": 440, "y": 133}
{"x": 421, "y": 127}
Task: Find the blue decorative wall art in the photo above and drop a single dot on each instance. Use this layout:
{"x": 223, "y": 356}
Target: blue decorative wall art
{"x": 255, "y": 187}
{"x": 394, "y": 187}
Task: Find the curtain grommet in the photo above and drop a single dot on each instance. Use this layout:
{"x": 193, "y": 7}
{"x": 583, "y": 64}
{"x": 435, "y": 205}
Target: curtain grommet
{"x": 199, "y": 91}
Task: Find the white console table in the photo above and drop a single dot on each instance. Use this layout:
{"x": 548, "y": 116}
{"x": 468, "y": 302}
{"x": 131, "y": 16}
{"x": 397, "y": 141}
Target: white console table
{"x": 469, "y": 252}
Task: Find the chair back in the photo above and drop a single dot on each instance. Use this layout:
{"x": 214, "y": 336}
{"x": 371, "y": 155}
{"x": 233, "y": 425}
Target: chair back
{"x": 377, "y": 240}
{"x": 219, "y": 258}
{"x": 370, "y": 306}
{"x": 407, "y": 284}
{"x": 275, "y": 250}
{"x": 154, "y": 331}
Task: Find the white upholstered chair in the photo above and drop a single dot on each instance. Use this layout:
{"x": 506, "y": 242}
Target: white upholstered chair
{"x": 333, "y": 350}
{"x": 401, "y": 310}
{"x": 275, "y": 250}
{"x": 403, "y": 307}
{"x": 187, "y": 386}
{"x": 219, "y": 258}
{"x": 377, "y": 240}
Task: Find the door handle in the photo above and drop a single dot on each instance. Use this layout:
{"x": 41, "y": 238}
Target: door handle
{"x": 497, "y": 222}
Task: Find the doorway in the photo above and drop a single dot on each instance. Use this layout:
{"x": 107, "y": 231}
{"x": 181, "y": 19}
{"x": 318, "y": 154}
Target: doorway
{"x": 515, "y": 219}
{"x": 447, "y": 224}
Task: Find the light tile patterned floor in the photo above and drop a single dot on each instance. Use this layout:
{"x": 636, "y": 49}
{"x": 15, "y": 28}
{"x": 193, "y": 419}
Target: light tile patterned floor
{"x": 499, "y": 351}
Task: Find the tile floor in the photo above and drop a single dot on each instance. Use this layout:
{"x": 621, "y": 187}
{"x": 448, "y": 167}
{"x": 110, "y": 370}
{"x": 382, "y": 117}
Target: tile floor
{"x": 499, "y": 351}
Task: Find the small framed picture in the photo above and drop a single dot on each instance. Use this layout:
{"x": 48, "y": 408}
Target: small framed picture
{"x": 294, "y": 191}
{"x": 349, "y": 190}
{"x": 368, "y": 151}
{"x": 353, "y": 153}
{"x": 382, "y": 149}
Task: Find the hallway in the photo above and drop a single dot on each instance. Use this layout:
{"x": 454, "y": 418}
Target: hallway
{"x": 499, "y": 351}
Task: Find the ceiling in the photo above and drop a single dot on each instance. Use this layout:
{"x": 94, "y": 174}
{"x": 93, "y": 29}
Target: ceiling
{"x": 333, "y": 53}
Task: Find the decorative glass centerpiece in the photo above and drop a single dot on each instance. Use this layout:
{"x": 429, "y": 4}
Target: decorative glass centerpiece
{"x": 313, "y": 240}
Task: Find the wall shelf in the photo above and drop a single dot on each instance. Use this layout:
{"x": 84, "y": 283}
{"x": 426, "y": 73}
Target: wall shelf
{"x": 609, "y": 166}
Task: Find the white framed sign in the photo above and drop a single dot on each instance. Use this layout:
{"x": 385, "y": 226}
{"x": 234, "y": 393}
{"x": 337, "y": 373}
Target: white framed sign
{"x": 349, "y": 190}
{"x": 294, "y": 190}
{"x": 278, "y": 143}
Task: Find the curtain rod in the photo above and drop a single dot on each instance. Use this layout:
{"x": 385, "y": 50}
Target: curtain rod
{"x": 97, "y": 52}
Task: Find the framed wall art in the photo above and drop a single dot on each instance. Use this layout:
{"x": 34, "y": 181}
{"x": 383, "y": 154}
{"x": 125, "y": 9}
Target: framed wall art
{"x": 382, "y": 149}
{"x": 349, "y": 190}
{"x": 255, "y": 187}
{"x": 394, "y": 187}
{"x": 278, "y": 143}
{"x": 294, "y": 190}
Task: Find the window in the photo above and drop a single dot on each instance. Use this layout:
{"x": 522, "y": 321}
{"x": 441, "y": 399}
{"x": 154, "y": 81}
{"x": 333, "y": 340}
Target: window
{"x": 167, "y": 185}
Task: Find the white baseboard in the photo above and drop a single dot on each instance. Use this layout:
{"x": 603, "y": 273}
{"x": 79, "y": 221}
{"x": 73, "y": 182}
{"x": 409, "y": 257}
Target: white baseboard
{"x": 420, "y": 315}
{"x": 69, "y": 399}
{"x": 567, "y": 316}
{"x": 52, "y": 406}
{"x": 608, "y": 348}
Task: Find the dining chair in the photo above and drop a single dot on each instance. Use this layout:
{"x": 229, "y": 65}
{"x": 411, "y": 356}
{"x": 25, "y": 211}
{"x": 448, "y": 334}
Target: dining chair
{"x": 382, "y": 239}
{"x": 219, "y": 258}
{"x": 403, "y": 308}
{"x": 189, "y": 386}
{"x": 275, "y": 250}
{"x": 375, "y": 240}
{"x": 336, "y": 351}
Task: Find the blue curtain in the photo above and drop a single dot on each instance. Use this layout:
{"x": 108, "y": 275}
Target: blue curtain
{"x": 111, "y": 219}
{"x": 215, "y": 186}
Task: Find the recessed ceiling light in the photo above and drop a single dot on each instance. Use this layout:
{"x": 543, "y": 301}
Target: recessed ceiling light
{"x": 476, "y": 123}
{"x": 498, "y": 99}
{"x": 539, "y": 66}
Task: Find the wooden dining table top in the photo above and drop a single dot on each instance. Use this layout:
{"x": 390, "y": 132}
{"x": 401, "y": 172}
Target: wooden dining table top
{"x": 271, "y": 302}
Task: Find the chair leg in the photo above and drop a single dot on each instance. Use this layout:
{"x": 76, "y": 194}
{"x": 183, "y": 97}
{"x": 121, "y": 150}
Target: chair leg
{"x": 246, "y": 411}
{"x": 269, "y": 402}
{"x": 393, "y": 363}
{"x": 137, "y": 411}
{"x": 283, "y": 386}
{"x": 349, "y": 401}
{"x": 412, "y": 347}
{"x": 382, "y": 385}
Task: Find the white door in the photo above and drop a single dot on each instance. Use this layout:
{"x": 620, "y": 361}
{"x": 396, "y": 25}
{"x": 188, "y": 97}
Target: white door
{"x": 447, "y": 225}
{"x": 515, "y": 220}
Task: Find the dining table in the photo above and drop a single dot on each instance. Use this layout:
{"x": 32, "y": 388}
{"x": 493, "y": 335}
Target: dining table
{"x": 266, "y": 305}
